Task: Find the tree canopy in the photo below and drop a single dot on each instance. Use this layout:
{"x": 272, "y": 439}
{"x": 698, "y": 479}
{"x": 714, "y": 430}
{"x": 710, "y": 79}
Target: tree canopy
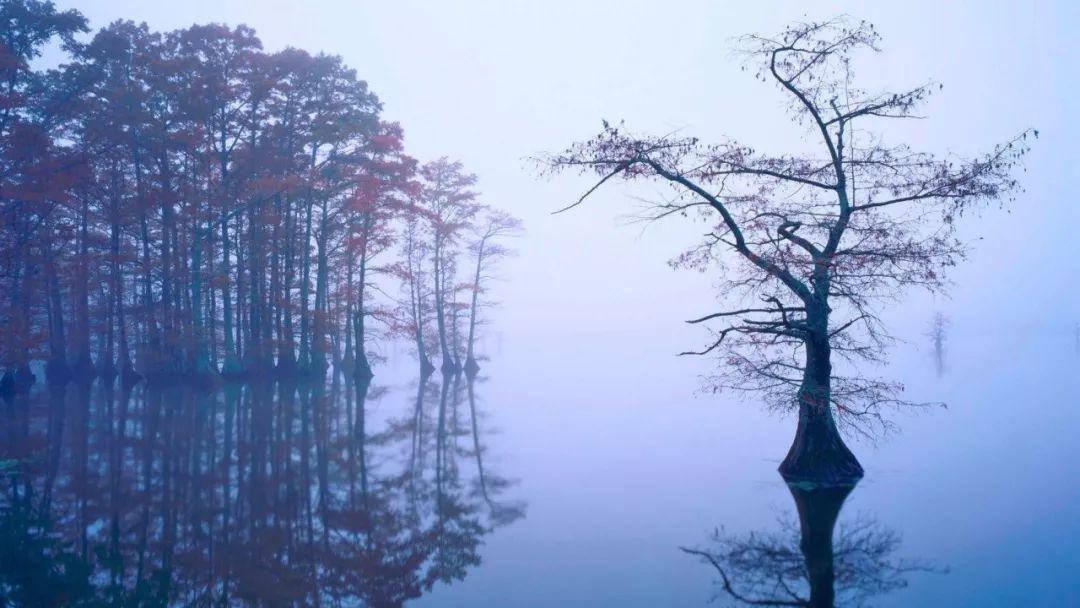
{"x": 180, "y": 203}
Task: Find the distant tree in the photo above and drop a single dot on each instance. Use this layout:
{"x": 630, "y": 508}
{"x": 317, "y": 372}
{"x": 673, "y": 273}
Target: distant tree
{"x": 448, "y": 202}
{"x": 820, "y": 240}
{"x": 412, "y": 271}
{"x": 381, "y": 194}
{"x": 494, "y": 226}
{"x": 939, "y": 327}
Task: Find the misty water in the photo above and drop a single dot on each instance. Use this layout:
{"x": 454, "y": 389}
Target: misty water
{"x": 571, "y": 486}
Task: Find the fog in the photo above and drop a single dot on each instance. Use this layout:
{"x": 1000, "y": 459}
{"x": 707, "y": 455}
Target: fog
{"x": 621, "y": 456}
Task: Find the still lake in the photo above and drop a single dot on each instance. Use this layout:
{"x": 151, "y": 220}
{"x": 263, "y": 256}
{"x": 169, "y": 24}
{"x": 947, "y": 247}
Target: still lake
{"x": 565, "y": 475}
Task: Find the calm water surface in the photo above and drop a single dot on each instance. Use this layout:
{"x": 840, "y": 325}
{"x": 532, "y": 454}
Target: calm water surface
{"x": 576, "y": 482}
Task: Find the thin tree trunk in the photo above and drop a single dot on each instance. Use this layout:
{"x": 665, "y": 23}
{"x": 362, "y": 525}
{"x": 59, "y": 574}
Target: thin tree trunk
{"x": 56, "y": 371}
{"x": 448, "y": 364}
{"x": 84, "y": 363}
{"x": 471, "y": 366}
{"x": 363, "y": 366}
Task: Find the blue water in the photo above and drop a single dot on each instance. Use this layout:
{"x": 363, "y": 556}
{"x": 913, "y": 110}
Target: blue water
{"x": 596, "y": 464}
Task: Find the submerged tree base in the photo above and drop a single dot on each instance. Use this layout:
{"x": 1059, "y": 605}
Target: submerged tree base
{"x": 822, "y": 469}
{"x": 471, "y": 368}
{"x": 818, "y": 455}
{"x": 426, "y": 367}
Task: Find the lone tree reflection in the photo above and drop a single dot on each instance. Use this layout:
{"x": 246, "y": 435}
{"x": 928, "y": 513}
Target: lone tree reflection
{"x": 817, "y": 240}
{"x": 803, "y": 566}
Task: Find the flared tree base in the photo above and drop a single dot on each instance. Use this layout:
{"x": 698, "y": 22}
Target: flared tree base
{"x": 819, "y": 456}
{"x": 426, "y": 368}
{"x": 7, "y": 384}
{"x": 363, "y": 371}
{"x": 471, "y": 368}
{"x": 346, "y": 365}
{"x": 450, "y": 367}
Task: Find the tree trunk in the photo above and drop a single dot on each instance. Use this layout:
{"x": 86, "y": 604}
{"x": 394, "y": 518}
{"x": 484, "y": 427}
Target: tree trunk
{"x": 201, "y": 363}
{"x": 448, "y": 364}
{"x": 84, "y": 364}
{"x": 348, "y": 361}
{"x": 318, "y": 358}
{"x": 471, "y": 366}
{"x": 416, "y": 295}
{"x": 286, "y": 364}
{"x": 151, "y": 358}
{"x": 231, "y": 363}
{"x": 56, "y": 370}
{"x": 304, "y": 362}
{"x": 818, "y": 454}
{"x": 361, "y": 366}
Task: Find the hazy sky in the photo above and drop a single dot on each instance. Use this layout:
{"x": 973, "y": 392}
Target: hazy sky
{"x": 492, "y": 83}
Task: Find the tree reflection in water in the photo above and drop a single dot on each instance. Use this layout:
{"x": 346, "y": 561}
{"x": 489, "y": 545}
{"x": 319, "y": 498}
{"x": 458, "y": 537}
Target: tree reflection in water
{"x": 272, "y": 494}
{"x": 807, "y": 564}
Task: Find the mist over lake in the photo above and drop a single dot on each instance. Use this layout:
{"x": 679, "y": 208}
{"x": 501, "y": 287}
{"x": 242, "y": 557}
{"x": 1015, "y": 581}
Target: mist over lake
{"x": 494, "y": 304}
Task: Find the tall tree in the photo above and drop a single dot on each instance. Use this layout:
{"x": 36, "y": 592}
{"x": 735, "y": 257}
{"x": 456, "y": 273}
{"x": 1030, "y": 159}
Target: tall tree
{"x": 487, "y": 250}
{"x": 819, "y": 239}
{"x": 449, "y": 203}
{"x": 35, "y": 178}
{"x": 383, "y": 185}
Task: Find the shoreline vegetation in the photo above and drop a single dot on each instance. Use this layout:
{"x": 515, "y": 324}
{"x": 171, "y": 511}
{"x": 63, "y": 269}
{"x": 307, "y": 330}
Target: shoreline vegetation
{"x": 184, "y": 206}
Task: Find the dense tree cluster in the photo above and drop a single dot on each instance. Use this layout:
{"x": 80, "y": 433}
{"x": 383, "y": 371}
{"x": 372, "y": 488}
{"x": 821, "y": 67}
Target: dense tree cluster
{"x": 183, "y": 204}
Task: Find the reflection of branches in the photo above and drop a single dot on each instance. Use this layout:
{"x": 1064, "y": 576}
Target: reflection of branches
{"x": 280, "y": 494}
{"x": 802, "y": 565}
{"x": 502, "y": 513}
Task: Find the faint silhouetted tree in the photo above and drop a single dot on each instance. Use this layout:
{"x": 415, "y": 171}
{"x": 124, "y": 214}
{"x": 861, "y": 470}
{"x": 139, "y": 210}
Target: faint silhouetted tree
{"x": 816, "y": 241}
{"x": 448, "y": 201}
{"x": 939, "y": 326}
{"x": 494, "y": 226}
